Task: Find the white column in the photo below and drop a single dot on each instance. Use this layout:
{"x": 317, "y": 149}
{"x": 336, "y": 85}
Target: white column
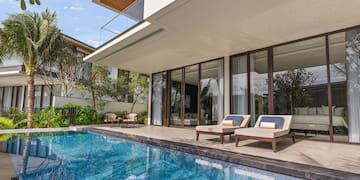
{"x": 149, "y": 99}
{"x": 227, "y": 85}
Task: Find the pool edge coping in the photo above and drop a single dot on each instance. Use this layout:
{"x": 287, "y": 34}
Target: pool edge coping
{"x": 268, "y": 164}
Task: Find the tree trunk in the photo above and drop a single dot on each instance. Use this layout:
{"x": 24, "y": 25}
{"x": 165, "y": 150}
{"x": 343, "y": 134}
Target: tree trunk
{"x": 30, "y": 96}
{"x": 134, "y": 103}
{"x": 93, "y": 98}
{"x": 25, "y": 157}
{"x": 1, "y": 108}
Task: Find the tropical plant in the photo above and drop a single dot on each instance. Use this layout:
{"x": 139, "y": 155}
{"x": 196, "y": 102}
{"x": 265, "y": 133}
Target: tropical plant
{"x": 32, "y": 37}
{"x": 6, "y": 123}
{"x": 290, "y": 85}
{"x": 66, "y": 67}
{"x": 85, "y": 115}
{"x": 97, "y": 82}
{"x": 49, "y": 118}
{"x": 138, "y": 87}
{"x": 18, "y": 117}
{"x": 23, "y": 3}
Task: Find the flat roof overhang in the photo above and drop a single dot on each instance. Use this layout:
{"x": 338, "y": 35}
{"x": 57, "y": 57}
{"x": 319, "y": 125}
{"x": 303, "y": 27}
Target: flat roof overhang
{"x": 191, "y": 31}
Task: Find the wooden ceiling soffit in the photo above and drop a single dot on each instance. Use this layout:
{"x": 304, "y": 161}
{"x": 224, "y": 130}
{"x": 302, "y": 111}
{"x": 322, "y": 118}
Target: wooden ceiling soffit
{"x": 119, "y": 5}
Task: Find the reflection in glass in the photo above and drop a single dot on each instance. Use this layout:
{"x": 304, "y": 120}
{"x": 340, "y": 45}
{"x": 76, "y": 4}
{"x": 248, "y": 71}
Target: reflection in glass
{"x": 300, "y": 85}
{"x": 176, "y": 78}
{"x": 212, "y": 92}
{"x": 338, "y": 85}
{"x": 191, "y": 95}
{"x": 158, "y": 98}
{"x": 239, "y": 84}
{"x": 259, "y": 84}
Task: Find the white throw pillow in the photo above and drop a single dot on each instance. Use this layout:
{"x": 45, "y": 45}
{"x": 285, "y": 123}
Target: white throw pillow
{"x": 268, "y": 125}
{"x": 325, "y": 110}
{"x": 301, "y": 110}
{"x": 339, "y": 111}
{"x": 312, "y": 111}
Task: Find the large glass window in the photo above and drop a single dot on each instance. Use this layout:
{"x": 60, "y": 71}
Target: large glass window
{"x": 300, "y": 84}
{"x": 20, "y": 97}
{"x": 191, "y": 95}
{"x": 7, "y": 99}
{"x": 37, "y": 99}
{"x": 239, "y": 82}
{"x": 176, "y": 79}
{"x": 212, "y": 92}
{"x": 345, "y": 84}
{"x": 46, "y": 97}
{"x": 158, "y": 98}
{"x": 259, "y": 84}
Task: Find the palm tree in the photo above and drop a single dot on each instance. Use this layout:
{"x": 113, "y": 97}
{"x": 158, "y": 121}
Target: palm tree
{"x": 23, "y": 3}
{"x": 32, "y": 37}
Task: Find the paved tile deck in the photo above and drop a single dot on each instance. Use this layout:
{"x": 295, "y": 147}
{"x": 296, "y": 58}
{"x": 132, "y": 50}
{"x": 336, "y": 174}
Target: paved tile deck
{"x": 344, "y": 157}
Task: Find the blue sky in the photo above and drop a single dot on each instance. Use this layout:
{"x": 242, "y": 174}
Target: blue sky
{"x": 80, "y": 19}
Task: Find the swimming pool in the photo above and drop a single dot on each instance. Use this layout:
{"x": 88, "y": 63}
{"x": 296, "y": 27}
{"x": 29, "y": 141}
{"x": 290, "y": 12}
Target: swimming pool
{"x": 90, "y": 156}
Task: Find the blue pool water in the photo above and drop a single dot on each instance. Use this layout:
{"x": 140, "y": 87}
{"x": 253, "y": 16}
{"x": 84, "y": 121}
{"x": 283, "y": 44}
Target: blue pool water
{"x": 96, "y": 156}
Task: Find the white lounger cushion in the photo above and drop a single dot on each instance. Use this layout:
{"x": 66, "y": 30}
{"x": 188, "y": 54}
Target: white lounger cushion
{"x": 217, "y": 128}
{"x": 256, "y": 131}
{"x": 224, "y": 129}
{"x": 261, "y": 132}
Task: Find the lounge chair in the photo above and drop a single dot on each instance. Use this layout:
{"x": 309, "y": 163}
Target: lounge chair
{"x": 224, "y": 129}
{"x": 268, "y": 128}
{"x": 111, "y": 118}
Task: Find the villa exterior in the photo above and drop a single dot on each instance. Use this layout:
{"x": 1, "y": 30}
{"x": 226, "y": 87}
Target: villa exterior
{"x": 13, "y": 86}
{"x": 209, "y": 58}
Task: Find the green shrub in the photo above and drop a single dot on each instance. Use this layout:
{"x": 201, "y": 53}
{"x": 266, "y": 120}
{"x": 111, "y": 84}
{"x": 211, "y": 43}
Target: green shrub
{"x": 122, "y": 114}
{"x": 142, "y": 117}
{"x": 49, "y": 118}
{"x": 85, "y": 115}
{"x": 6, "y": 123}
{"x": 18, "y": 117}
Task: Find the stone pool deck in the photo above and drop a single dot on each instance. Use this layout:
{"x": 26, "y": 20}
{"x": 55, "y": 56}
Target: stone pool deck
{"x": 333, "y": 159}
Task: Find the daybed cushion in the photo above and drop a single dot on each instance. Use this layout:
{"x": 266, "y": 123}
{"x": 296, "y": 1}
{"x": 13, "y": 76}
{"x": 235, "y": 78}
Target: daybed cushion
{"x": 314, "y": 121}
{"x": 217, "y": 128}
{"x": 279, "y": 121}
{"x": 301, "y": 110}
{"x": 312, "y": 111}
{"x": 237, "y": 119}
{"x": 261, "y": 132}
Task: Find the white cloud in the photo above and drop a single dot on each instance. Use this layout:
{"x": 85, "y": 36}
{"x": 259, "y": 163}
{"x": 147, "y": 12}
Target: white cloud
{"x": 75, "y": 7}
{"x": 94, "y": 43}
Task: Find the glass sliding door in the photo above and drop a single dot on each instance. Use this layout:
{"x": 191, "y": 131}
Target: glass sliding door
{"x": 7, "y": 99}
{"x": 239, "y": 82}
{"x": 259, "y": 84}
{"x": 176, "y": 96}
{"x": 191, "y": 95}
{"x": 158, "y": 98}
{"x": 300, "y": 85}
{"x": 344, "y": 53}
{"x": 46, "y": 97}
{"x": 212, "y": 92}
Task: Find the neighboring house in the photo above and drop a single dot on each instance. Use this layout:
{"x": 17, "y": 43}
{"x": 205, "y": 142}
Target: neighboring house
{"x": 13, "y": 85}
{"x": 209, "y": 58}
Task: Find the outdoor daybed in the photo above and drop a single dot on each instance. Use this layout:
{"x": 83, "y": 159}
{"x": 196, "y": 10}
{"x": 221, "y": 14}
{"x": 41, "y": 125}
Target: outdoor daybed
{"x": 317, "y": 118}
{"x": 238, "y": 121}
{"x": 268, "y": 128}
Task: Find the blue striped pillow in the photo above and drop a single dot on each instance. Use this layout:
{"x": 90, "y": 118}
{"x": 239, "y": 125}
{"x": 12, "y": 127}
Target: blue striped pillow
{"x": 237, "y": 119}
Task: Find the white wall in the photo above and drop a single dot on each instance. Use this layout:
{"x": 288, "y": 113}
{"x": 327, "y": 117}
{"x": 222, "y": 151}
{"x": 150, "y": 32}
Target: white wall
{"x": 151, "y": 6}
{"x": 109, "y": 106}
